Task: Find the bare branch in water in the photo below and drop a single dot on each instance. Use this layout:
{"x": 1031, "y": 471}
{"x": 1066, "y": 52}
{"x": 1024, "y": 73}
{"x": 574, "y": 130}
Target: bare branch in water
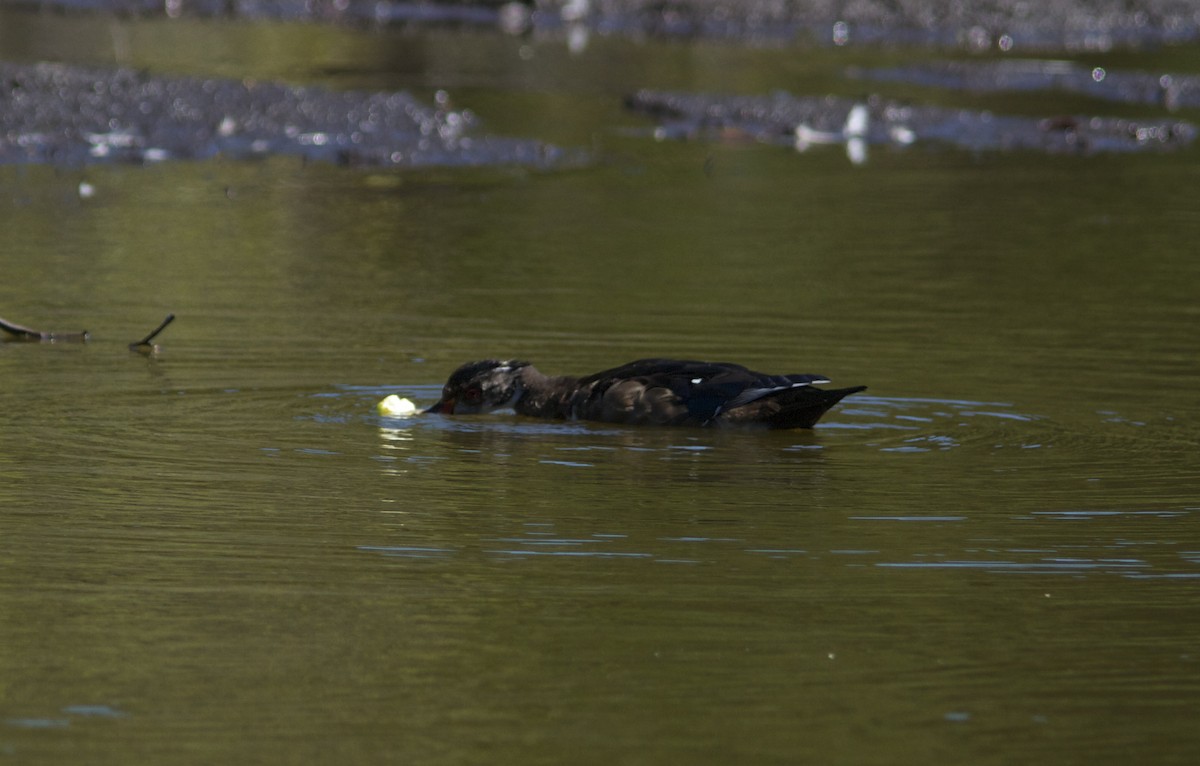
{"x": 145, "y": 343}
{"x": 18, "y": 332}
{"x": 21, "y": 333}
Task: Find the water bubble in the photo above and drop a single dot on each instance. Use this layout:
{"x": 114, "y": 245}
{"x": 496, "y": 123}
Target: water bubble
{"x": 1098, "y": 73}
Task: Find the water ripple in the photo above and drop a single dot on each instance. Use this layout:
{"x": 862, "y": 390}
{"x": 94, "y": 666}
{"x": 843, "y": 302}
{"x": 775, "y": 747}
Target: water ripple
{"x": 408, "y": 551}
{"x": 1046, "y": 565}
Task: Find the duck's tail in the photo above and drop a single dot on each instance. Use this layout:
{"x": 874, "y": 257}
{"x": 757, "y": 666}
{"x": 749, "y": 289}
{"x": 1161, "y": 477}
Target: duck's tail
{"x": 803, "y": 407}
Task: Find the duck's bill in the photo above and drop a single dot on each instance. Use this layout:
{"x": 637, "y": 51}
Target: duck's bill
{"x": 443, "y": 407}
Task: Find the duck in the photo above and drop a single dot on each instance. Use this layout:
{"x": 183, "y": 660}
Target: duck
{"x": 661, "y": 392}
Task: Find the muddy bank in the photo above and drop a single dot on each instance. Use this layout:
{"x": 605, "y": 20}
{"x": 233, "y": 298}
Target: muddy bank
{"x": 803, "y": 122}
{"x": 1007, "y": 24}
{"x": 1162, "y": 89}
{"x": 67, "y": 115}
{"x": 62, "y": 115}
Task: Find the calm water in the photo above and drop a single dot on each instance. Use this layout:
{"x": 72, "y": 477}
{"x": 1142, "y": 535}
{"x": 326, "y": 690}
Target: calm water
{"x": 222, "y": 555}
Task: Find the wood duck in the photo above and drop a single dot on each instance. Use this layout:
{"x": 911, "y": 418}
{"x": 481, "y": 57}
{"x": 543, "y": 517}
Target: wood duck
{"x": 666, "y": 392}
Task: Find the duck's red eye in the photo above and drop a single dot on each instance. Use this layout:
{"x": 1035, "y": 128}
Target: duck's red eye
{"x": 473, "y": 395}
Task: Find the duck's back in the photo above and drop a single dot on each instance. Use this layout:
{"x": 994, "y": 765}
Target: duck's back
{"x": 687, "y": 392}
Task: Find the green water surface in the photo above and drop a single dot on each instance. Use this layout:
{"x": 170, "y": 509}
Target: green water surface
{"x": 221, "y": 554}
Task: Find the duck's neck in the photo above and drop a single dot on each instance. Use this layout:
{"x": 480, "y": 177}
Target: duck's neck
{"x": 543, "y": 396}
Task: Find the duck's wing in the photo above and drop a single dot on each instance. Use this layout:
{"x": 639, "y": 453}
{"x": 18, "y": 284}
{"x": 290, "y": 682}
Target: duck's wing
{"x": 677, "y": 391}
{"x": 767, "y": 385}
{"x": 799, "y": 407}
{"x": 661, "y": 369}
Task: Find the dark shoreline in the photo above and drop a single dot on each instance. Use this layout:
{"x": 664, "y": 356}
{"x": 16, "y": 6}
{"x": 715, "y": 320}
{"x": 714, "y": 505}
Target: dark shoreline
{"x": 1056, "y": 25}
{"x": 67, "y": 115}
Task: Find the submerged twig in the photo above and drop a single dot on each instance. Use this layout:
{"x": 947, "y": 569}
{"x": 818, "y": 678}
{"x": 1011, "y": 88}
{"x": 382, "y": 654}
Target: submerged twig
{"x": 145, "y": 343}
{"x": 23, "y": 333}
{"x": 20, "y": 332}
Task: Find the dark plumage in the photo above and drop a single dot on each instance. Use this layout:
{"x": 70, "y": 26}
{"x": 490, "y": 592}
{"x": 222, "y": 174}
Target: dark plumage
{"x": 667, "y": 392}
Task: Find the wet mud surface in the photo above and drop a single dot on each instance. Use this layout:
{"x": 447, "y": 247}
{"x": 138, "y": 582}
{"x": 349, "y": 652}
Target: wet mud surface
{"x": 1161, "y": 89}
{"x": 1007, "y": 24}
{"x": 804, "y": 121}
{"x": 65, "y": 115}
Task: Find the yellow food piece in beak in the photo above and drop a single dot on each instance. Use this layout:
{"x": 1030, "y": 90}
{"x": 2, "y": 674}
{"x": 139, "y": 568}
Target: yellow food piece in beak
{"x": 396, "y": 407}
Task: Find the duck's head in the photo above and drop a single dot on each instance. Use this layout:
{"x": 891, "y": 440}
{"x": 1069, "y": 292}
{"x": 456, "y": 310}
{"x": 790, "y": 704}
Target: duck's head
{"x": 481, "y": 387}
